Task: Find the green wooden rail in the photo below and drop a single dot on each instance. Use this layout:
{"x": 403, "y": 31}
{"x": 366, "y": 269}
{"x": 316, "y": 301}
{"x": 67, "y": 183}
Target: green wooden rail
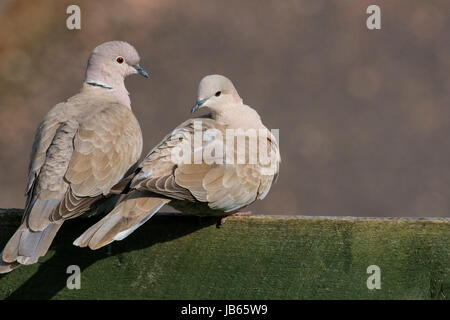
{"x": 255, "y": 257}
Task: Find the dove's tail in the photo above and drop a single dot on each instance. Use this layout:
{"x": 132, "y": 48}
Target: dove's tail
{"x": 133, "y": 211}
{"x": 26, "y": 246}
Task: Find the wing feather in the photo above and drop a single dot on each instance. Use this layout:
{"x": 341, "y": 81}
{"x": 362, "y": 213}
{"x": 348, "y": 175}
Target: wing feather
{"x": 223, "y": 186}
{"x": 88, "y": 155}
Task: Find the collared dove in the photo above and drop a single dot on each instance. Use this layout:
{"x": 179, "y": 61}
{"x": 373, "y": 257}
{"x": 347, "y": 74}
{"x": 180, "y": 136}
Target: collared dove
{"x": 220, "y": 187}
{"x": 83, "y": 147}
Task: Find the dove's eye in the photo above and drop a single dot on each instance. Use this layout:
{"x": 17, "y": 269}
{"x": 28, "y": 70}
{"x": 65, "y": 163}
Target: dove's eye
{"x": 120, "y": 60}
{"x": 218, "y": 93}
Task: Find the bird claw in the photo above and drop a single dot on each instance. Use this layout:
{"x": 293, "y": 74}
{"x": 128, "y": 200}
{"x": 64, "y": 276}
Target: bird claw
{"x": 224, "y": 218}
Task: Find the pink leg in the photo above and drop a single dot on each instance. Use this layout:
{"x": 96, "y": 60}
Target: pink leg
{"x": 239, "y": 213}
{"x": 242, "y": 213}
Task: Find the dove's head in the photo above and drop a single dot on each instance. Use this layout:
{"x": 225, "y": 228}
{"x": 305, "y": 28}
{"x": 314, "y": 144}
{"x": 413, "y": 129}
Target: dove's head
{"x": 111, "y": 62}
{"x": 216, "y": 92}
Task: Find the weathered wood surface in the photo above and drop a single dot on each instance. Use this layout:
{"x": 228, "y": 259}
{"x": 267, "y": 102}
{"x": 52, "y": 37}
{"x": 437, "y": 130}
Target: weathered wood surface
{"x": 255, "y": 257}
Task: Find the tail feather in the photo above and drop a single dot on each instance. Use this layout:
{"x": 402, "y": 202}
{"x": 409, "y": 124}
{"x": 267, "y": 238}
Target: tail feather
{"x": 132, "y": 212}
{"x": 39, "y": 212}
{"x": 26, "y": 246}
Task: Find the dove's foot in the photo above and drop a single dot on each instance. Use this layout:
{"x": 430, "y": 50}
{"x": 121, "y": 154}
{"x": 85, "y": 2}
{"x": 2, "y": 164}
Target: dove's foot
{"x": 224, "y": 218}
{"x": 242, "y": 213}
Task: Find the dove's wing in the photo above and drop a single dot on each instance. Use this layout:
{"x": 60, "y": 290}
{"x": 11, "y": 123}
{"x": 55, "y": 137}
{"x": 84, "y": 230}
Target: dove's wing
{"x": 224, "y": 186}
{"x": 105, "y": 147}
{"x": 87, "y": 156}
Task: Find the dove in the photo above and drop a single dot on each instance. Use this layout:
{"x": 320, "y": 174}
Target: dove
{"x": 82, "y": 148}
{"x": 217, "y": 184}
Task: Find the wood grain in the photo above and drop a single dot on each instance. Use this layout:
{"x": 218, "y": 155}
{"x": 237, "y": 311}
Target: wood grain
{"x": 255, "y": 257}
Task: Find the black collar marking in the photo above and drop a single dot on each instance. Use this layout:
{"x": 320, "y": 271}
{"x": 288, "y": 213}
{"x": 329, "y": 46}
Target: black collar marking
{"x": 95, "y": 84}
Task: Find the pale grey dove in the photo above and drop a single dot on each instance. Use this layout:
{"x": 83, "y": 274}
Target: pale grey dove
{"x": 82, "y": 148}
{"x": 213, "y": 188}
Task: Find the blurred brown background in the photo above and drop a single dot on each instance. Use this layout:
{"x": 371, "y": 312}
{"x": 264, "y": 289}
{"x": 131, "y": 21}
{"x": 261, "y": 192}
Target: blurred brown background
{"x": 364, "y": 115}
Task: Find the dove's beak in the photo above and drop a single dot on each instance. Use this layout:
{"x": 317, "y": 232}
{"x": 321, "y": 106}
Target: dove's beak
{"x": 198, "y": 105}
{"x": 141, "y": 71}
